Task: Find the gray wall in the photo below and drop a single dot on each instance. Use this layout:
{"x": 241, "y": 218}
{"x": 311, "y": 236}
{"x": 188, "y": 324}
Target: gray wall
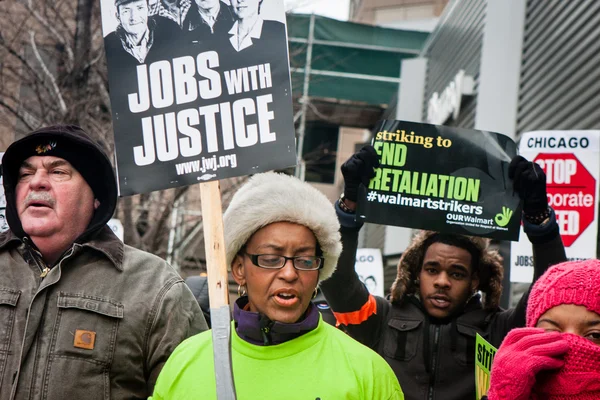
{"x": 456, "y": 44}
{"x": 372, "y": 236}
{"x": 560, "y": 75}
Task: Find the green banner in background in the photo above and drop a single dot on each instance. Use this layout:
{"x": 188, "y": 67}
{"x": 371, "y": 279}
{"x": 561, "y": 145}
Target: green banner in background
{"x": 484, "y": 357}
{"x": 442, "y": 179}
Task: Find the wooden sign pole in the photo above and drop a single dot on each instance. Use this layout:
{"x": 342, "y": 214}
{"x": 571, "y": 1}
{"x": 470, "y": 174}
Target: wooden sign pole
{"x": 218, "y": 291}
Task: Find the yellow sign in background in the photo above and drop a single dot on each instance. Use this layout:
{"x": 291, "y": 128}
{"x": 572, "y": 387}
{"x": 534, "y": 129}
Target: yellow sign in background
{"x": 484, "y": 357}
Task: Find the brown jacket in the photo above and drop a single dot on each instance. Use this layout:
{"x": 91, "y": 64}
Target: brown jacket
{"x": 100, "y": 325}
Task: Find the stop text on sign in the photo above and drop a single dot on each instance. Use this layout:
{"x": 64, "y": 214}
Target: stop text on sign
{"x": 571, "y": 193}
{"x": 558, "y": 171}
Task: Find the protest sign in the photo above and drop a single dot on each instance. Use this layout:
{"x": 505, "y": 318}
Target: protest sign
{"x": 484, "y": 357}
{"x": 443, "y": 179}
{"x": 191, "y": 103}
{"x": 571, "y": 161}
{"x": 199, "y": 93}
{"x": 369, "y": 267}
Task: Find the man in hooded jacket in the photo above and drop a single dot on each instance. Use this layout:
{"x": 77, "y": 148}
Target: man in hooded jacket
{"x": 82, "y": 316}
{"x": 426, "y": 330}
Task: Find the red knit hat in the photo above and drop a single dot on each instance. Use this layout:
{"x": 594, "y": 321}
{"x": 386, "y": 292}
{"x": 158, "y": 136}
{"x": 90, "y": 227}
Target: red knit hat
{"x": 574, "y": 282}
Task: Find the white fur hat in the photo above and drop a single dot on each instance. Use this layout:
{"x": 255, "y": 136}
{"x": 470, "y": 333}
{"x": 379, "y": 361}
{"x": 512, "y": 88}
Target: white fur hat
{"x": 272, "y": 197}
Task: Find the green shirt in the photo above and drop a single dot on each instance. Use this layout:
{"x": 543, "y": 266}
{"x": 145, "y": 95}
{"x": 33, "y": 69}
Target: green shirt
{"x": 323, "y": 364}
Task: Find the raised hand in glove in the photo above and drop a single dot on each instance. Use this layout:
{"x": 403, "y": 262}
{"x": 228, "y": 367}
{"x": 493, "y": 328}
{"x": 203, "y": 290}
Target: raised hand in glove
{"x": 529, "y": 181}
{"x": 524, "y": 353}
{"x": 359, "y": 169}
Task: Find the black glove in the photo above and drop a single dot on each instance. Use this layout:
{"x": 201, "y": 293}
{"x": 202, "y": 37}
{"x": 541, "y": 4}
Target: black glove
{"x": 529, "y": 181}
{"x": 359, "y": 168}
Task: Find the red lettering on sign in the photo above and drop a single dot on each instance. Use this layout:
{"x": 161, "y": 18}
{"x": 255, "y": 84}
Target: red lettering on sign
{"x": 571, "y": 193}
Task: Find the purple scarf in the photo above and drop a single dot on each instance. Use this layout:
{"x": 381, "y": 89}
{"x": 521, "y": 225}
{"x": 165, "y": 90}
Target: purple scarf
{"x": 258, "y": 329}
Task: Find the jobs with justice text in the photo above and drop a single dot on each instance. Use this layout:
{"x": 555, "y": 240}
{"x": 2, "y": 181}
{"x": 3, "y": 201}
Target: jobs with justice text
{"x": 191, "y": 104}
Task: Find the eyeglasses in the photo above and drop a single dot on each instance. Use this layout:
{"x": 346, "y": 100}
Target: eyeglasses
{"x": 273, "y": 261}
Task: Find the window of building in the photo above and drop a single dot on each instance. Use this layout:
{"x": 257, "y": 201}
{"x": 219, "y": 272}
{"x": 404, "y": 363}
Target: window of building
{"x": 320, "y": 146}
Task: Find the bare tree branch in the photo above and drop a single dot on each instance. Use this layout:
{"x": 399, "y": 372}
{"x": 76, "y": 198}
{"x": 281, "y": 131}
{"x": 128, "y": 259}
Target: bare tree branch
{"x": 38, "y": 56}
{"x": 131, "y": 236}
{"x": 52, "y": 30}
{"x": 16, "y": 113}
{"x": 165, "y": 215}
{"x": 13, "y": 52}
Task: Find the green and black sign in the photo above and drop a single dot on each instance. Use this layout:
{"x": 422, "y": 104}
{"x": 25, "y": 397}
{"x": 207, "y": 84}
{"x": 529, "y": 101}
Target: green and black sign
{"x": 443, "y": 179}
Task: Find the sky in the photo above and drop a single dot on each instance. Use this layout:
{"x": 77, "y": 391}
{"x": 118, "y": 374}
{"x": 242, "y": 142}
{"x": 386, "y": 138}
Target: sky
{"x": 337, "y": 9}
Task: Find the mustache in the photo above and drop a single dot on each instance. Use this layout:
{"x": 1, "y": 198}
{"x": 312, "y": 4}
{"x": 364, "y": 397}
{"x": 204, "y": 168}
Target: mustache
{"x": 45, "y": 197}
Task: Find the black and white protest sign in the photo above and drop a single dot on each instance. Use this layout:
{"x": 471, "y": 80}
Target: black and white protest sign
{"x": 443, "y": 179}
{"x": 199, "y": 91}
{"x": 369, "y": 268}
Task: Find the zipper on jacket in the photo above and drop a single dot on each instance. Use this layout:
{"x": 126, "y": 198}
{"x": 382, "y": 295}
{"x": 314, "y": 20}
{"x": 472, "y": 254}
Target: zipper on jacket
{"x": 434, "y": 353}
{"x": 43, "y": 270}
{"x": 265, "y": 328}
{"x": 17, "y": 374}
{"x": 266, "y": 335}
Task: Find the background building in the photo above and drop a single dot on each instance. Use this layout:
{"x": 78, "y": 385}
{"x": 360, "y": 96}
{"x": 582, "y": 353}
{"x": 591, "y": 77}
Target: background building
{"x": 421, "y": 15}
{"x": 534, "y": 63}
{"x": 345, "y": 77}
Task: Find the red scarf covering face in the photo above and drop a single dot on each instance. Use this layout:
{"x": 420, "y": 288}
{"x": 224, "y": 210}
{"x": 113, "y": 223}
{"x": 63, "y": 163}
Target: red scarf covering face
{"x": 578, "y": 379}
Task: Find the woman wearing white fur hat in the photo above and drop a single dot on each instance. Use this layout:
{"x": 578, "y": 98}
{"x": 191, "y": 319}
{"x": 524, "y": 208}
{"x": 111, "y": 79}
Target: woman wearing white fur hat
{"x": 282, "y": 240}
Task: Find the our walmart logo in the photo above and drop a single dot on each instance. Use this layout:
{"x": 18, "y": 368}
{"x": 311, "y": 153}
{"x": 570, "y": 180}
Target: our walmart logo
{"x": 502, "y": 219}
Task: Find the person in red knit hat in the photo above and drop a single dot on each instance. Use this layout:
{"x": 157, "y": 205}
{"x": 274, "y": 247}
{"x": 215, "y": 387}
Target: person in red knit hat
{"x": 557, "y": 356}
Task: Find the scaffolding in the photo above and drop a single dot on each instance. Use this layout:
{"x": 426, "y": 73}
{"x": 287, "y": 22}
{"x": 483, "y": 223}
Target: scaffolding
{"x": 344, "y": 66}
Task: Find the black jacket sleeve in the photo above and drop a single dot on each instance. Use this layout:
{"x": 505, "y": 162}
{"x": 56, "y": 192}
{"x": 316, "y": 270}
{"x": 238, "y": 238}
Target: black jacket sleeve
{"x": 347, "y": 296}
{"x": 548, "y": 250}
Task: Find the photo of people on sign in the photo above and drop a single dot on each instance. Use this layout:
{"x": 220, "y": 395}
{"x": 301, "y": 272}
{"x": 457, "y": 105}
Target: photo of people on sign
{"x": 200, "y": 90}
{"x": 443, "y": 179}
{"x": 369, "y": 268}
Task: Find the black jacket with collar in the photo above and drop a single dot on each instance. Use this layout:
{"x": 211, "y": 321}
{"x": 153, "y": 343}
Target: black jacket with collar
{"x": 197, "y": 31}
